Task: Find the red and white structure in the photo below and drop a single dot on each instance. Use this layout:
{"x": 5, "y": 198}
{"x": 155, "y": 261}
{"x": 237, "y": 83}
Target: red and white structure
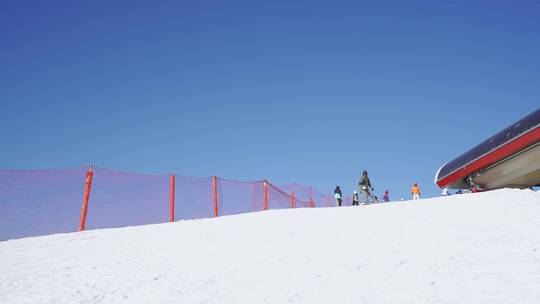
{"x": 510, "y": 158}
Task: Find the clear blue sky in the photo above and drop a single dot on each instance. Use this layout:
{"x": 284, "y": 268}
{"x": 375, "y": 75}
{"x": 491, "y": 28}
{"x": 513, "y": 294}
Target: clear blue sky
{"x": 310, "y": 91}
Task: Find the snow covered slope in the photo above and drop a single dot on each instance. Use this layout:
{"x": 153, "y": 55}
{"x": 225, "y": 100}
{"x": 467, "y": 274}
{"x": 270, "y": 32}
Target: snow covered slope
{"x": 473, "y": 248}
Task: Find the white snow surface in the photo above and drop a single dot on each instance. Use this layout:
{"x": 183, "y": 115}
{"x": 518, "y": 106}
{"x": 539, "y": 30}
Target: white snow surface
{"x": 471, "y": 248}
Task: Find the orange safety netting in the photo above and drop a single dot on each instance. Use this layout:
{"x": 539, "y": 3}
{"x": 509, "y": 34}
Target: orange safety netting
{"x": 40, "y": 202}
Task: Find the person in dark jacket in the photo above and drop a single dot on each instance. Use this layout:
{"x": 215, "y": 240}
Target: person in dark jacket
{"x": 365, "y": 186}
{"x": 338, "y": 196}
{"x": 355, "y": 198}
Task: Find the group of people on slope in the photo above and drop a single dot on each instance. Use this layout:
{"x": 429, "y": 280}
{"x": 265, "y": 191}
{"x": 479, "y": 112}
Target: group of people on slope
{"x": 445, "y": 191}
{"x": 367, "y": 189}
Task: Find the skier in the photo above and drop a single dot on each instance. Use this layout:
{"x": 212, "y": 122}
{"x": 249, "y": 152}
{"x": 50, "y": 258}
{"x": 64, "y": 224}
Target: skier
{"x": 445, "y": 191}
{"x": 365, "y": 186}
{"x": 338, "y": 196}
{"x": 415, "y": 191}
{"x": 386, "y": 197}
{"x": 355, "y": 198}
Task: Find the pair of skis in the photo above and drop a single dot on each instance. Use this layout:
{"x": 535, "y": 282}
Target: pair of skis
{"x": 371, "y": 200}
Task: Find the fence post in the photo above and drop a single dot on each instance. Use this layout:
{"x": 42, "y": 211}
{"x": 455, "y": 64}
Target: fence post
{"x": 265, "y": 184}
{"x": 87, "y": 187}
{"x": 216, "y": 211}
{"x": 172, "y": 198}
{"x": 292, "y": 199}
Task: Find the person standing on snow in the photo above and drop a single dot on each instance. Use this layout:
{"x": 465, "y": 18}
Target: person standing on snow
{"x": 355, "y": 198}
{"x": 415, "y": 191}
{"x": 386, "y": 197}
{"x": 365, "y": 186}
{"x": 445, "y": 191}
{"x": 338, "y": 196}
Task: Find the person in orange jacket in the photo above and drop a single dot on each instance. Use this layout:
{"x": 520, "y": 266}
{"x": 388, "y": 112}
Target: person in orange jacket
{"x": 415, "y": 191}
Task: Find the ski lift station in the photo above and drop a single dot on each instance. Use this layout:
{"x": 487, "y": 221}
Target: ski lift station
{"x": 510, "y": 158}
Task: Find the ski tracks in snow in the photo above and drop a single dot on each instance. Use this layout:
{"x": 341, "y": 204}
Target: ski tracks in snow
{"x": 478, "y": 248}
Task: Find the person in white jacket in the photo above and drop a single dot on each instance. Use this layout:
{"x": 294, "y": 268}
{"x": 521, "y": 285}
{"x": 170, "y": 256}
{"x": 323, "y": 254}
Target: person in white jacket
{"x": 445, "y": 191}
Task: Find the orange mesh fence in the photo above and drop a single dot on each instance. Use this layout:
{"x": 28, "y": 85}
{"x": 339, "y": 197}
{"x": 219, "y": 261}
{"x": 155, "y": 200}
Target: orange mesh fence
{"x": 40, "y": 202}
{"x": 119, "y": 199}
{"x": 301, "y": 194}
{"x": 239, "y": 197}
{"x": 193, "y": 197}
{"x": 323, "y": 200}
{"x": 279, "y": 199}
